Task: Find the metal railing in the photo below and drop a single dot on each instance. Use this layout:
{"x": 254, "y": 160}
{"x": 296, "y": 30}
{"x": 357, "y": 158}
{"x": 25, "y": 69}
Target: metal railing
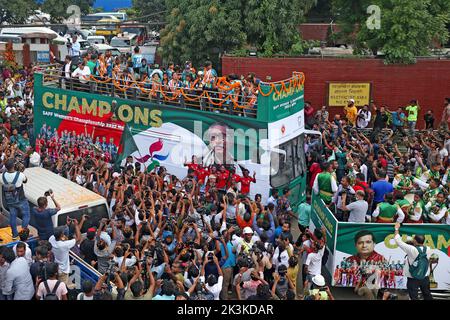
{"x": 216, "y": 101}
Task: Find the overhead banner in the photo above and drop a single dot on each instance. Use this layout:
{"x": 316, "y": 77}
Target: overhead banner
{"x": 339, "y": 93}
{"x": 369, "y": 252}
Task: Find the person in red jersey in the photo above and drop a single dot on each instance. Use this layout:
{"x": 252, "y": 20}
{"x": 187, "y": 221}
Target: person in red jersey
{"x": 246, "y": 180}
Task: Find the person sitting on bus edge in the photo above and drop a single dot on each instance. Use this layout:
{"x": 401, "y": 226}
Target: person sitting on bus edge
{"x": 325, "y": 184}
{"x": 15, "y": 199}
{"x": 43, "y": 216}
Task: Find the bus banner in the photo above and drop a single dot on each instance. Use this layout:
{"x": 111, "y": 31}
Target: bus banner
{"x": 369, "y": 251}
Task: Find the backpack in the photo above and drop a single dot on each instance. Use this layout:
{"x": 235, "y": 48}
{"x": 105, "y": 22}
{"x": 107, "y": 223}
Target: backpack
{"x": 10, "y": 192}
{"x": 51, "y": 295}
{"x": 419, "y": 267}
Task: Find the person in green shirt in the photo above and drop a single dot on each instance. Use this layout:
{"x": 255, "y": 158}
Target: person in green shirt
{"x": 24, "y": 142}
{"x": 3, "y": 102}
{"x": 413, "y": 112}
{"x": 92, "y": 63}
{"x": 304, "y": 214}
{"x": 387, "y": 210}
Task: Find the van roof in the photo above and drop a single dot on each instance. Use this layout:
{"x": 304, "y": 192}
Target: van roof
{"x": 67, "y": 193}
{"x": 126, "y": 35}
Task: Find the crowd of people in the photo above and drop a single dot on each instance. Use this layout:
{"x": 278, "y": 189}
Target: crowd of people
{"x": 387, "y": 174}
{"x": 201, "y": 237}
{"x": 133, "y": 77}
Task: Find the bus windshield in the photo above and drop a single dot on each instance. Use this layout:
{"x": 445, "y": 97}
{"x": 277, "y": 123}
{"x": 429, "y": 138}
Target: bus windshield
{"x": 95, "y": 213}
{"x": 120, "y": 43}
{"x": 291, "y": 165}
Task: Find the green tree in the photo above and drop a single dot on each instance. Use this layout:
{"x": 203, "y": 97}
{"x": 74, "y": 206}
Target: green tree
{"x": 58, "y": 8}
{"x": 408, "y": 28}
{"x": 16, "y": 11}
{"x": 198, "y": 30}
{"x": 272, "y": 25}
{"x": 154, "y": 9}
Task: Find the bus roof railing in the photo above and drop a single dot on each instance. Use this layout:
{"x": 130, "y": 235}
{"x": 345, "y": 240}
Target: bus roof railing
{"x": 188, "y": 98}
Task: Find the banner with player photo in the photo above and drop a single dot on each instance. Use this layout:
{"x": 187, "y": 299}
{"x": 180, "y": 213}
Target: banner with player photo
{"x": 362, "y": 249}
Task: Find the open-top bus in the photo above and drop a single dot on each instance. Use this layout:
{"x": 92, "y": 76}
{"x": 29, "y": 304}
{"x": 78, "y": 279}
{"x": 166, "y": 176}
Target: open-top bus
{"x": 266, "y": 137}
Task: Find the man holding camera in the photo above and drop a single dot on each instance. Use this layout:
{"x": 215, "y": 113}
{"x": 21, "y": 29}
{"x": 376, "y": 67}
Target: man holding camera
{"x": 43, "y": 215}
{"x": 74, "y": 48}
{"x": 14, "y": 196}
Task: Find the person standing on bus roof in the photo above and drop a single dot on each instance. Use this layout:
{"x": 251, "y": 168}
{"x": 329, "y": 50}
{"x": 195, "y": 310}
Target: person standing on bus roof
{"x": 136, "y": 58}
{"x": 43, "y": 216}
{"x": 245, "y": 181}
{"x": 15, "y": 199}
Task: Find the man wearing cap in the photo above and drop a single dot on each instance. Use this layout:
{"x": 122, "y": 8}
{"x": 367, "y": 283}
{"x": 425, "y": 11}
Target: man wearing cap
{"x": 43, "y": 216}
{"x": 246, "y": 243}
{"x": 350, "y": 112}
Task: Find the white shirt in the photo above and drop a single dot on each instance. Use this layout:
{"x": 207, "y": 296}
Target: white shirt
{"x": 10, "y": 177}
{"x": 82, "y": 74}
{"x": 85, "y": 297}
{"x": 75, "y": 49}
{"x": 61, "y": 251}
{"x": 215, "y": 289}
{"x": 284, "y": 258}
{"x": 364, "y": 171}
{"x": 411, "y": 253}
{"x": 67, "y": 67}
{"x": 128, "y": 262}
{"x": 314, "y": 262}
{"x": 28, "y": 253}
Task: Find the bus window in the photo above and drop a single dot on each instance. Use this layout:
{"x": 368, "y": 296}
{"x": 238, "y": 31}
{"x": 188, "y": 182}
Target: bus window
{"x": 286, "y": 167}
{"x": 95, "y": 213}
{"x": 299, "y": 156}
{"x": 292, "y": 165}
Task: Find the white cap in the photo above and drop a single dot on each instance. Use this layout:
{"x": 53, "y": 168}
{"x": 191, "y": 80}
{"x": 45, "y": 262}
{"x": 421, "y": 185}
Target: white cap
{"x": 116, "y": 175}
{"x": 318, "y": 280}
{"x": 248, "y": 230}
{"x": 351, "y": 100}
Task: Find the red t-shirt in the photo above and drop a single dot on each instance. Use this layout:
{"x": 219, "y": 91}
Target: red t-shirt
{"x": 192, "y": 166}
{"x": 383, "y": 162}
{"x": 245, "y": 184}
{"x": 314, "y": 171}
{"x": 222, "y": 179}
{"x": 201, "y": 174}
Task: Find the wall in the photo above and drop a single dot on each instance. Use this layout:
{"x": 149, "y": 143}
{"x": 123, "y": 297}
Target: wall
{"x": 393, "y": 85}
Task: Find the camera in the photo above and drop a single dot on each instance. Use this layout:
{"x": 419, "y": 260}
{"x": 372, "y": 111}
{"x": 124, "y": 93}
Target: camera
{"x": 110, "y": 270}
{"x": 48, "y": 193}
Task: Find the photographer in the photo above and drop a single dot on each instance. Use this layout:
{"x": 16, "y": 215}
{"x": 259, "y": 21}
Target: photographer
{"x": 213, "y": 283}
{"x": 43, "y": 215}
{"x": 104, "y": 246}
{"x": 14, "y": 196}
{"x": 136, "y": 287}
{"x": 344, "y": 188}
{"x": 102, "y": 290}
{"x": 74, "y": 48}
{"x": 282, "y": 284}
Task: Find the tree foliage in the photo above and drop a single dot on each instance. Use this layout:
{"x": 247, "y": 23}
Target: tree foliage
{"x": 155, "y": 8}
{"x": 201, "y": 29}
{"x": 58, "y": 8}
{"x": 16, "y": 11}
{"x": 408, "y": 28}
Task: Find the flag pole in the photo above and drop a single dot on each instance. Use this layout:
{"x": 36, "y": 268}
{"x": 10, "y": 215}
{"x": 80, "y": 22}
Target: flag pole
{"x": 139, "y": 152}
